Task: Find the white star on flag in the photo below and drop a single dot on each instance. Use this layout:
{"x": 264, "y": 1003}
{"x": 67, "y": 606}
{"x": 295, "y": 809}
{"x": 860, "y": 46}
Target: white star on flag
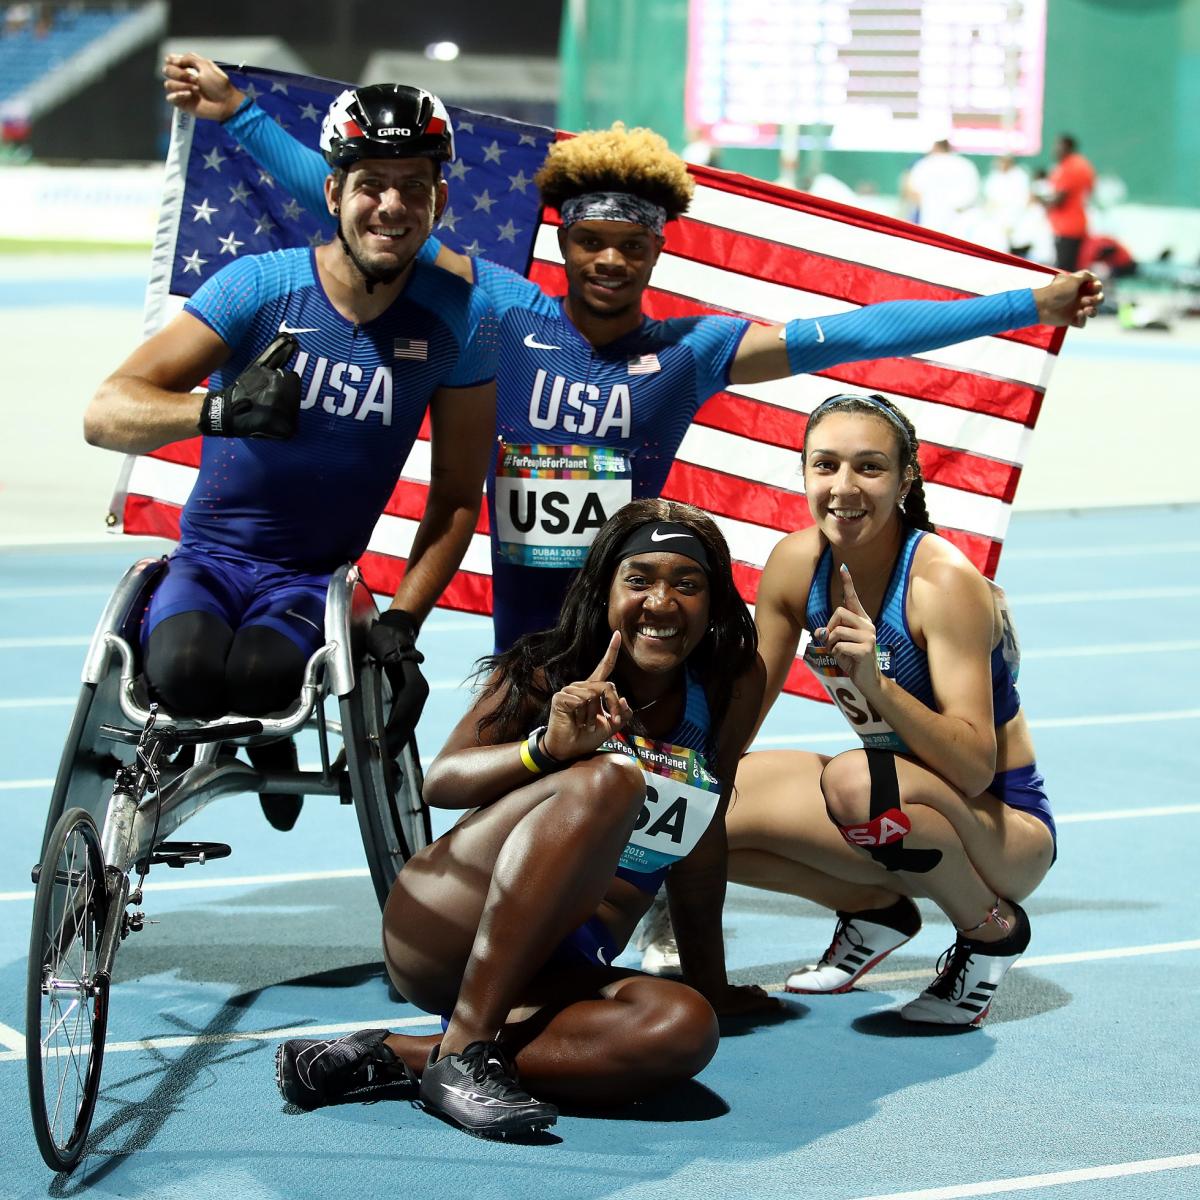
{"x": 204, "y": 211}
{"x": 230, "y": 244}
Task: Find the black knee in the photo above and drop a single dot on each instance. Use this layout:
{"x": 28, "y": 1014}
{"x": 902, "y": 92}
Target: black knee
{"x": 264, "y": 671}
{"x": 185, "y": 663}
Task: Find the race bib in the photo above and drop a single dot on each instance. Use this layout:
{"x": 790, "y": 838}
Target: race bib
{"x": 681, "y": 799}
{"x": 875, "y": 732}
{"x": 552, "y": 500}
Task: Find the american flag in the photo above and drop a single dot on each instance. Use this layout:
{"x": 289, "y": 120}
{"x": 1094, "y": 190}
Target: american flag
{"x": 745, "y": 247}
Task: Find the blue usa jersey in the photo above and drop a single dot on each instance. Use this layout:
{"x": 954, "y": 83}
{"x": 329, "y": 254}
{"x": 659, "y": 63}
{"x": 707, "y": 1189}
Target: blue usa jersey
{"x": 312, "y": 501}
{"x": 582, "y": 429}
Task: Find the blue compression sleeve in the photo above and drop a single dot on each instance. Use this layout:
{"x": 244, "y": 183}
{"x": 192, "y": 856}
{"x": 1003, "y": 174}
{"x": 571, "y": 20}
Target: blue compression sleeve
{"x": 899, "y": 327}
{"x": 301, "y": 170}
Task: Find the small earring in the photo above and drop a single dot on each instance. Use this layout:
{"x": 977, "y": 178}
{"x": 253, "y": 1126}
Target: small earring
{"x": 900, "y": 501}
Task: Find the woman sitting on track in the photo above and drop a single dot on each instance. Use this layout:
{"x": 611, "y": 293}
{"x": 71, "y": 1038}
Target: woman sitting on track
{"x": 945, "y": 800}
{"x": 597, "y": 758}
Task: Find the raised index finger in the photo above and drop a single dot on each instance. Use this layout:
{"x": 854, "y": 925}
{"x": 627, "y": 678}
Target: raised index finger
{"x": 849, "y": 595}
{"x": 605, "y": 666}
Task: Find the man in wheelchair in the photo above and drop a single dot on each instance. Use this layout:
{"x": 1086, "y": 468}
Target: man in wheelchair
{"x": 321, "y": 365}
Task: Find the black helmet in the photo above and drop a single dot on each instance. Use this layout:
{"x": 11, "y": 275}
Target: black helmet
{"x": 386, "y": 120}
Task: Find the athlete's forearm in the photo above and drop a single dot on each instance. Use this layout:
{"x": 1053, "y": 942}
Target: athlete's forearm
{"x": 900, "y": 327}
{"x": 301, "y": 170}
{"x": 958, "y": 751}
{"x": 696, "y": 891}
{"x": 132, "y": 416}
{"x": 441, "y": 541}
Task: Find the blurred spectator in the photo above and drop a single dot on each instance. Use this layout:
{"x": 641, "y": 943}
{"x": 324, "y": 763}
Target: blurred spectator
{"x": 829, "y": 187}
{"x": 1006, "y": 197}
{"x": 944, "y": 188}
{"x": 1070, "y": 184}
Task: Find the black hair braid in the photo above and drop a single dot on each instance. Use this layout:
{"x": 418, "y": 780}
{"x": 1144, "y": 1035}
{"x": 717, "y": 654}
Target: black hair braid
{"x": 915, "y": 513}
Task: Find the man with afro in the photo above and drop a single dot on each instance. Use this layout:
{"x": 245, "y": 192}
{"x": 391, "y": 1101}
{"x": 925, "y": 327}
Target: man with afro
{"x": 593, "y": 397}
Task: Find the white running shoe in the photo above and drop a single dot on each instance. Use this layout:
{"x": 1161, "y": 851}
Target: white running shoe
{"x": 857, "y": 946}
{"x": 969, "y": 973}
{"x": 656, "y": 939}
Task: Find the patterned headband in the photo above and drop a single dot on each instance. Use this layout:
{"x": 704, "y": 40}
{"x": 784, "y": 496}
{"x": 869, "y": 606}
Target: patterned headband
{"x": 873, "y": 402}
{"x": 614, "y": 206}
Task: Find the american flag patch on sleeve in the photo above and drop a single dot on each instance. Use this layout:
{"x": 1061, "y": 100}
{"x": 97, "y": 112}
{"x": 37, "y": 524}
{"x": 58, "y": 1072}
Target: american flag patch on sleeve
{"x": 415, "y": 348}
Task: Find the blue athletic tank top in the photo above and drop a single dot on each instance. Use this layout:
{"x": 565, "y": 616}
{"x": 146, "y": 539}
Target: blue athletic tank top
{"x": 900, "y": 658}
{"x": 664, "y": 808}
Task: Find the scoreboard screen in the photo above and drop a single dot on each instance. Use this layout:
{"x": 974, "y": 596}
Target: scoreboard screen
{"x": 869, "y": 74}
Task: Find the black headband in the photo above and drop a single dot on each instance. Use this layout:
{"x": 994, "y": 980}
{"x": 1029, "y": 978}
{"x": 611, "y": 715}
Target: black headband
{"x": 669, "y": 537}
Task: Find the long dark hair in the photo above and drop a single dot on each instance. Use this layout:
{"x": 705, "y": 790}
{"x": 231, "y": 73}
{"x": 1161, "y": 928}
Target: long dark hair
{"x": 915, "y": 513}
{"x": 539, "y": 664}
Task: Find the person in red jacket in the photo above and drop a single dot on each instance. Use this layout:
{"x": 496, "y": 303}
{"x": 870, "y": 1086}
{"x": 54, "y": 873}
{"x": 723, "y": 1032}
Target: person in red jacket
{"x": 1071, "y": 183}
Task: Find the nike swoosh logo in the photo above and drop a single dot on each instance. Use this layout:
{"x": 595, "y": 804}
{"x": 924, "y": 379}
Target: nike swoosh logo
{"x": 285, "y": 328}
{"x": 291, "y": 612}
{"x": 820, "y": 331}
{"x": 655, "y": 536}
{"x": 534, "y": 344}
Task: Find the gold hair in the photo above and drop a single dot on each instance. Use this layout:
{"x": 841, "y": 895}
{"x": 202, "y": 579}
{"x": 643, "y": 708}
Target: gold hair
{"x": 637, "y": 161}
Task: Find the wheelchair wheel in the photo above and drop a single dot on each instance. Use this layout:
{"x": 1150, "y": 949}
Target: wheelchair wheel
{"x": 66, "y": 1000}
{"x": 392, "y": 818}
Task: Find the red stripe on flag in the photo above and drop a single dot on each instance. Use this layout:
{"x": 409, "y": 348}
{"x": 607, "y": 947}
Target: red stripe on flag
{"x": 146, "y": 516}
{"x": 409, "y": 498}
{"x": 186, "y": 454}
{"x": 468, "y": 591}
{"x": 774, "y": 426}
{"x": 734, "y": 496}
{"x": 774, "y": 262}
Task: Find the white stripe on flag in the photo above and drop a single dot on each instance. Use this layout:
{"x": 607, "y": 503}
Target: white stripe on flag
{"x": 838, "y": 239}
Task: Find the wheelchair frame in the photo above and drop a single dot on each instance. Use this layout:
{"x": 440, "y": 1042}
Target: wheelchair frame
{"x": 116, "y": 802}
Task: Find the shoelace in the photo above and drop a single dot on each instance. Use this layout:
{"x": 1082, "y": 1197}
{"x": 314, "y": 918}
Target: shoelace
{"x": 952, "y": 970}
{"x": 487, "y": 1061}
{"x": 842, "y": 929}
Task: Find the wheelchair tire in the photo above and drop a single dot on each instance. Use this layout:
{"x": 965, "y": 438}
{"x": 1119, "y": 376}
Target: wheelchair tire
{"x": 66, "y": 1000}
{"x": 392, "y": 818}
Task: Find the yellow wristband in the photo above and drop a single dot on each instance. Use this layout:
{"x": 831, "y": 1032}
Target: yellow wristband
{"x": 527, "y": 758}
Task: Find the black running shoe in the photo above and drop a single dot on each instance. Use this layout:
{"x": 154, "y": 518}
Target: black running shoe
{"x": 280, "y": 808}
{"x": 477, "y": 1090}
{"x": 355, "y": 1067}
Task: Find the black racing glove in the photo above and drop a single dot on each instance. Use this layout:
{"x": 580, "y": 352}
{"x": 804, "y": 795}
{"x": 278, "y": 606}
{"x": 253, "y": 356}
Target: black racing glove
{"x": 263, "y": 402}
{"x": 393, "y": 641}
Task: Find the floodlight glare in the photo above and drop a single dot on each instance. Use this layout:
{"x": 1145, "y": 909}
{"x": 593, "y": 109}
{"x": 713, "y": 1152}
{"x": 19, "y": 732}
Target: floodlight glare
{"x": 442, "y": 51}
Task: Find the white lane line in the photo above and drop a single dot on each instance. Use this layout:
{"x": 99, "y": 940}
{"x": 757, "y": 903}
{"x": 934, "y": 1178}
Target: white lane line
{"x": 17, "y": 1053}
{"x": 39, "y": 702}
{"x": 1100, "y": 648}
{"x": 1029, "y": 1183}
{"x": 24, "y": 785}
{"x": 1126, "y": 814}
{"x": 1095, "y": 597}
{"x": 12, "y": 1039}
{"x": 231, "y": 881}
{"x": 41, "y": 643}
{"x": 267, "y": 880}
{"x": 1158, "y": 549}
{"x": 49, "y": 593}
{"x": 1179, "y": 714}
{"x": 1040, "y": 960}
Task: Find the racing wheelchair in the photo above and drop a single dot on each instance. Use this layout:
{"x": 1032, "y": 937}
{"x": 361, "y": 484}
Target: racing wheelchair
{"x": 122, "y": 791}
